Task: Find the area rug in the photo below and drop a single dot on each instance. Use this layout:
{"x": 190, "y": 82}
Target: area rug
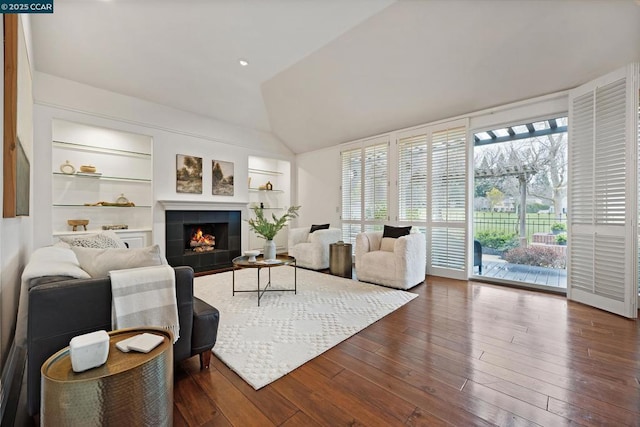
{"x": 261, "y": 344}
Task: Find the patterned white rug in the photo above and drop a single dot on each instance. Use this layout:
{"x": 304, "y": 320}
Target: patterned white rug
{"x": 264, "y": 343}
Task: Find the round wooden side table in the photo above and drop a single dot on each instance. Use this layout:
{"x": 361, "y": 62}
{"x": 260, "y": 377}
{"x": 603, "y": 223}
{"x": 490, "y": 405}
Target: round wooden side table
{"x": 129, "y": 389}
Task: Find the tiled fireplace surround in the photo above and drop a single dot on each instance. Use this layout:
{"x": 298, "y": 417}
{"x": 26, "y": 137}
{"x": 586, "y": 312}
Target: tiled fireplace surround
{"x": 226, "y": 226}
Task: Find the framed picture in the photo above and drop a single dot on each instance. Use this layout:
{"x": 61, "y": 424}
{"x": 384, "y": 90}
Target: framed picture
{"x": 188, "y": 174}
{"x": 221, "y": 178}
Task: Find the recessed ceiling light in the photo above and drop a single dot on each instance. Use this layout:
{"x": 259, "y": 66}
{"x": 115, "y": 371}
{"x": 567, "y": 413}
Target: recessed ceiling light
{"x": 243, "y": 62}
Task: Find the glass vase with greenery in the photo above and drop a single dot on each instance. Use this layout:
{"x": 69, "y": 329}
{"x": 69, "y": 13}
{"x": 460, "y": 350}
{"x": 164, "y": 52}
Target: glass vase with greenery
{"x": 267, "y": 228}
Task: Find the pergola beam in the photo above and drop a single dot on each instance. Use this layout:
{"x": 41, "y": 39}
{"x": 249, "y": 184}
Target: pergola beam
{"x": 531, "y": 134}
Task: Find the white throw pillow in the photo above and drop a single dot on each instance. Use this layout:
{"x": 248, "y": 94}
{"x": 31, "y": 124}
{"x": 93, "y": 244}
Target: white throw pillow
{"x": 98, "y": 262}
{"x": 387, "y": 244}
{"x": 106, "y": 239}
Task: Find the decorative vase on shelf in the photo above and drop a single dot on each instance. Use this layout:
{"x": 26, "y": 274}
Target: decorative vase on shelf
{"x": 269, "y": 249}
{"x": 67, "y": 168}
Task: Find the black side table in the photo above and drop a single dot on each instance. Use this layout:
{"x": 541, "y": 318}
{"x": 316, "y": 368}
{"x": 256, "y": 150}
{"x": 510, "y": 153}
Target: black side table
{"x": 340, "y": 263}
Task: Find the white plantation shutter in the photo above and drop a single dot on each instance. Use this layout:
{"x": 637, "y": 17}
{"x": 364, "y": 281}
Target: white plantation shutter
{"x": 412, "y": 179}
{"x": 376, "y": 182}
{"x": 447, "y": 219}
{"x": 364, "y": 188}
{"x": 603, "y": 165}
{"x": 352, "y": 184}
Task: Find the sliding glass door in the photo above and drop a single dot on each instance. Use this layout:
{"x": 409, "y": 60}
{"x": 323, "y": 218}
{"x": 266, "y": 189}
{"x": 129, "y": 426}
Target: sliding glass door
{"x": 520, "y": 203}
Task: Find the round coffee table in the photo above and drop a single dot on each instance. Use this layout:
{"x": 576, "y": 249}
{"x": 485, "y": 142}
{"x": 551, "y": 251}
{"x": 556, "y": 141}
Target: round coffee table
{"x": 259, "y": 264}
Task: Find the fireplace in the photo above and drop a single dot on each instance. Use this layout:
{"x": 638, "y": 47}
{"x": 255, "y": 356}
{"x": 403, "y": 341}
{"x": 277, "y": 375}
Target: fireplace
{"x": 204, "y": 240}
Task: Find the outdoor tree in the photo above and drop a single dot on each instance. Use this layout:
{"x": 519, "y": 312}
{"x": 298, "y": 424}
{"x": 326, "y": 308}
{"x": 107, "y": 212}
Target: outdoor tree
{"x": 193, "y": 166}
{"x": 555, "y": 149}
{"x": 495, "y": 198}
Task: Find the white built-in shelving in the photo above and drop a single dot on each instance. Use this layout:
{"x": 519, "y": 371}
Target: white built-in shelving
{"x": 274, "y": 201}
{"x": 123, "y": 163}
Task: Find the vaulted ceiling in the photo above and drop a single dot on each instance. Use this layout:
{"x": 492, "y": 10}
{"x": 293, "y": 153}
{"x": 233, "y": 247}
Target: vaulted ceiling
{"x": 323, "y": 72}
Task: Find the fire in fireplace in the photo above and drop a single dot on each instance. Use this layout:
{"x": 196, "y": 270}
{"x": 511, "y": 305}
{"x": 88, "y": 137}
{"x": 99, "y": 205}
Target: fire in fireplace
{"x": 202, "y": 242}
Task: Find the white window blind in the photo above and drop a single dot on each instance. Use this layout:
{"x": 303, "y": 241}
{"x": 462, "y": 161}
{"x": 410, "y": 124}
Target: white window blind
{"x": 603, "y": 151}
{"x": 610, "y": 147}
{"x": 364, "y": 189}
{"x": 581, "y": 156}
{"x": 412, "y": 179}
{"x": 375, "y": 182}
{"x": 352, "y": 184}
{"x": 448, "y": 199}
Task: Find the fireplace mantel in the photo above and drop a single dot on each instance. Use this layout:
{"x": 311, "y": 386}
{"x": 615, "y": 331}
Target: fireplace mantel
{"x": 202, "y": 205}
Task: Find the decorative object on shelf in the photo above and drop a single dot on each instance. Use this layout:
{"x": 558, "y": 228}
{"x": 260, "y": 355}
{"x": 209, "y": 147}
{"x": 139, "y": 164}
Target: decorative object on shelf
{"x": 75, "y": 223}
{"x": 121, "y": 199}
{"x": 267, "y": 230}
{"x": 102, "y": 203}
{"x": 252, "y": 255}
{"x": 115, "y": 227}
{"x": 188, "y": 174}
{"x": 221, "y": 178}
{"x": 67, "y": 168}
{"x": 87, "y": 168}
{"x": 268, "y": 186}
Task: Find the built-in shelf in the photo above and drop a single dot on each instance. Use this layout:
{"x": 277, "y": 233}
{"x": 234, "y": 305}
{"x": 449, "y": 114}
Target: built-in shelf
{"x": 255, "y": 190}
{"x": 100, "y": 230}
{"x": 104, "y": 177}
{"x": 123, "y": 165}
{"x": 264, "y": 172}
{"x": 94, "y": 207}
{"x": 81, "y": 147}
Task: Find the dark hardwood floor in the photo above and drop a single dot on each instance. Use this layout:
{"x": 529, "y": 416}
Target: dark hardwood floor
{"x": 462, "y": 353}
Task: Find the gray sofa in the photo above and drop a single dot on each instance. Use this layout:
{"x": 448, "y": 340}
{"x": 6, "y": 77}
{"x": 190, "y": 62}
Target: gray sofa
{"x": 61, "y": 307}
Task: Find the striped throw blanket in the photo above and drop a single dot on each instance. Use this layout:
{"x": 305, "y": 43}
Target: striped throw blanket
{"x": 145, "y": 296}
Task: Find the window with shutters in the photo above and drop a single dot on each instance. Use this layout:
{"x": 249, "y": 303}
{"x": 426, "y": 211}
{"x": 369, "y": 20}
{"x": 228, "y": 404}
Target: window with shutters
{"x": 448, "y": 199}
{"x": 365, "y": 182}
{"x": 412, "y": 179}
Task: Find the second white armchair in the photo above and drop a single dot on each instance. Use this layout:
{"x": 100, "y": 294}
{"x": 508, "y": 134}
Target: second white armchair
{"x": 395, "y": 262}
{"x": 311, "y": 250}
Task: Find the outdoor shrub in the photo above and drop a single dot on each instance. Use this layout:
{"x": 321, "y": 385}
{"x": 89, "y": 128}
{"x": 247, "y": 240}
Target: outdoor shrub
{"x": 561, "y": 239}
{"x": 498, "y": 240}
{"x": 536, "y": 207}
{"x": 536, "y": 255}
{"x": 558, "y": 226}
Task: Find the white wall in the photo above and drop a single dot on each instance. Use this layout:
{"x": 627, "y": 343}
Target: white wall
{"x": 319, "y": 179}
{"x": 173, "y": 132}
{"x": 15, "y": 233}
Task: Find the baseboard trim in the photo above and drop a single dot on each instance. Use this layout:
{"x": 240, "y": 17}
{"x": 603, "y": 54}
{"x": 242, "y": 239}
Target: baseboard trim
{"x": 10, "y": 385}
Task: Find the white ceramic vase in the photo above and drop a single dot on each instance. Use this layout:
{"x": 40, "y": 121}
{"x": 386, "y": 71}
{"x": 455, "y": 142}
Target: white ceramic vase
{"x": 269, "y": 249}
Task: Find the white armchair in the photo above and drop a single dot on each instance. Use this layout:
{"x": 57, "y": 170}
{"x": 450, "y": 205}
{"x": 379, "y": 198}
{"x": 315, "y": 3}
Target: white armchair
{"x": 311, "y": 250}
{"x": 399, "y": 263}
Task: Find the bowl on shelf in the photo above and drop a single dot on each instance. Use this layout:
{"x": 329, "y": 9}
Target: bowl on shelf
{"x": 87, "y": 168}
{"x": 252, "y": 255}
{"x": 75, "y": 223}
